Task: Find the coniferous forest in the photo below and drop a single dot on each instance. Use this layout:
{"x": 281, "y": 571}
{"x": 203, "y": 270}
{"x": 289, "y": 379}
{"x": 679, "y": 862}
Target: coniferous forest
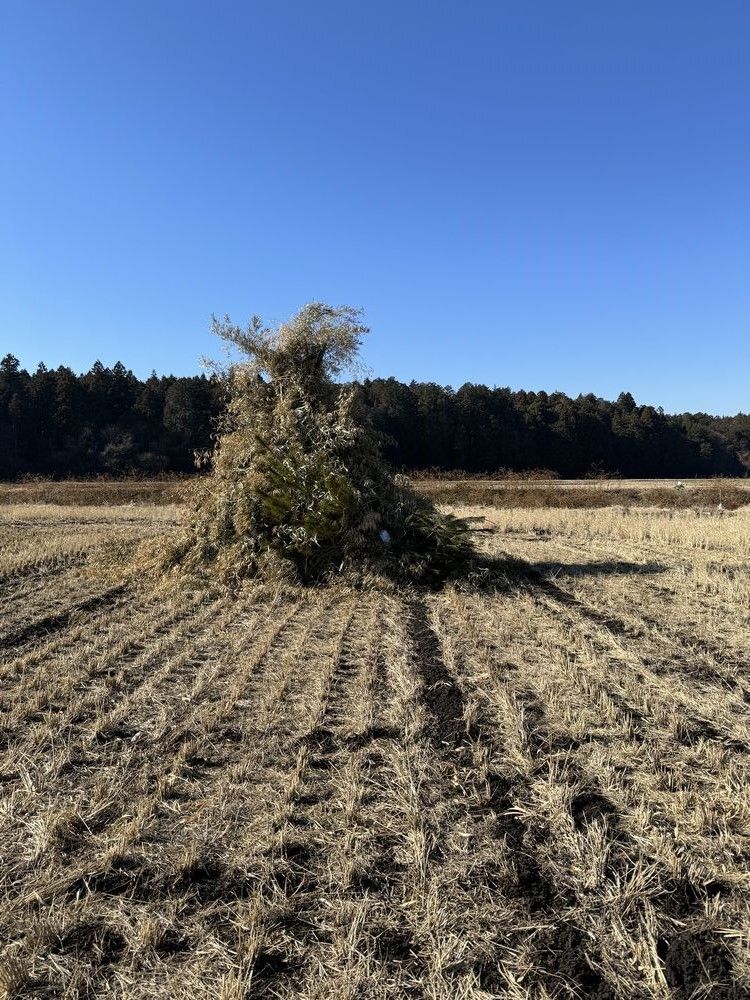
{"x": 109, "y": 422}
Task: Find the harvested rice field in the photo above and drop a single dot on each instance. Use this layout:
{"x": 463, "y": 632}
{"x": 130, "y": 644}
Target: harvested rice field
{"x": 531, "y": 789}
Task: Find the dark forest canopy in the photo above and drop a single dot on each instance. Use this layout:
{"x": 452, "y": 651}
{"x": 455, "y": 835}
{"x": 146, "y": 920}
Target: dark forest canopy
{"x": 107, "y": 421}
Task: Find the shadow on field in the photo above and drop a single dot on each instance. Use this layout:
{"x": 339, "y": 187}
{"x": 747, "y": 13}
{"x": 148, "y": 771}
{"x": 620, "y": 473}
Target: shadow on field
{"x": 41, "y": 627}
{"x": 511, "y": 574}
{"x": 506, "y": 572}
{"x": 593, "y": 568}
{"x": 443, "y": 697}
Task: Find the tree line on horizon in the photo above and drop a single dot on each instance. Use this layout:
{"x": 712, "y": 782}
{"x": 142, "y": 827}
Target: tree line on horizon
{"x": 107, "y": 421}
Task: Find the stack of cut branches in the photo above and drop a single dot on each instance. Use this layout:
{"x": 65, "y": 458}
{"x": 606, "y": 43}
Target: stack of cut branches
{"x": 298, "y": 488}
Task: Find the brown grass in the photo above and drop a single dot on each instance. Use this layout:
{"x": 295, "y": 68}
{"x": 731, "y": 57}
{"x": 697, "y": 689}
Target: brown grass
{"x": 95, "y": 492}
{"x": 536, "y": 790}
{"x": 693, "y": 495}
{"x": 522, "y": 491}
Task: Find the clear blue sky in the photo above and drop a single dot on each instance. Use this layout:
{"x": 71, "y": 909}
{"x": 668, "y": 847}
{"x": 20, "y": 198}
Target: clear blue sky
{"x": 547, "y": 195}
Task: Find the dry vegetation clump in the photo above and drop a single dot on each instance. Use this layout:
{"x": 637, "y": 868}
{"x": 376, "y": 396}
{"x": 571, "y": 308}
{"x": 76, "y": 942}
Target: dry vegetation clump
{"x": 298, "y": 489}
{"x": 538, "y": 792}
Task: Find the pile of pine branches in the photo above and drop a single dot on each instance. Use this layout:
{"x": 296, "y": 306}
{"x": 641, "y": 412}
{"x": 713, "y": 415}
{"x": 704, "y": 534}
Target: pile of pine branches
{"x": 298, "y": 489}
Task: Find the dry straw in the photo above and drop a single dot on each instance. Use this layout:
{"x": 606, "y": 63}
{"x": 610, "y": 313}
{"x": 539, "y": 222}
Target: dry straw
{"x": 298, "y": 489}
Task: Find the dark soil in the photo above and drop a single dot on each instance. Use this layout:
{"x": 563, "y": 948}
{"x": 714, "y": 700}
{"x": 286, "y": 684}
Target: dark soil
{"x": 590, "y": 807}
{"x": 563, "y": 951}
{"x": 699, "y": 960}
{"x": 94, "y": 942}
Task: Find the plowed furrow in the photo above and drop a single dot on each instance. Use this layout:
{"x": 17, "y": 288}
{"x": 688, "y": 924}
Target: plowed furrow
{"x": 31, "y": 597}
{"x": 727, "y": 662}
{"x": 563, "y": 832}
{"x": 605, "y": 777}
{"x": 219, "y": 848}
{"x": 26, "y": 571}
{"x": 144, "y": 772}
{"x": 722, "y": 718}
{"x": 55, "y": 633}
{"x": 101, "y": 686}
{"x": 260, "y": 791}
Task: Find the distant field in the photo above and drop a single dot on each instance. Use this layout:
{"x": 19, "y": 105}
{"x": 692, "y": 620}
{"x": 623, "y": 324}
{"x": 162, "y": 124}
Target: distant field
{"x": 692, "y": 493}
{"x": 537, "y": 790}
{"x": 68, "y": 492}
{"x": 572, "y": 493}
{"x": 594, "y": 484}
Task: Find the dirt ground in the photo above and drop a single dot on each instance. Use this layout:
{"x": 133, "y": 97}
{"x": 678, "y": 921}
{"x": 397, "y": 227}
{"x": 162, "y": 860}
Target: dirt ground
{"x": 530, "y": 784}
